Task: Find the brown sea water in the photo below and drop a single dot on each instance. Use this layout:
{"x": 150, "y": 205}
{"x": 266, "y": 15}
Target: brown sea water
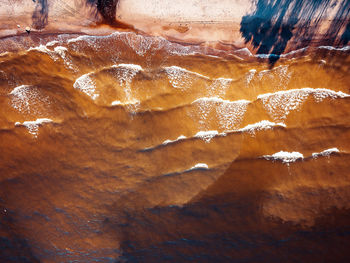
{"x": 131, "y": 148}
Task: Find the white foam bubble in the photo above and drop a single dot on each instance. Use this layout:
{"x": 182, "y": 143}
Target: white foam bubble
{"x": 181, "y": 78}
{"x": 250, "y": 75}
{"x": 262, "y": 125}
{"x": 125, "y": 74}
{"x": 41, "y": 48}
{"x": 86, "y": 85}
{"x": 327, "y": 152}
{"x": 285, "y": 157}
{"x": 281, "y": 103}
{"x": 62, "y": 52}
{"x": 140, "y": 44}
{"x": 211, "y": 99}
{"x": 293, "y": 52}
{"x": 181, "y": 137}
{"x": 198, "y": 166}
{"x": 25, "y": 98}
{"x": 219, "y": 86}
{"x": 33, "y": 126}
{"x": 52, "y": 43}
{"x": 208, "y": 135}
{"x": 228, "y": 113}
{"x": 133, "y": 67}
{"x": 116, "y": 102}
{"x": 244, "y": 51}
{"x": 346, "y": 48}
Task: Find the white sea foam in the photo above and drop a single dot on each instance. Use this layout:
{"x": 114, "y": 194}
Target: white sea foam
{"x": 250, "y": 76}
{"x": 219, "y": 86}
{"x": 181, "y": 78}
{"x": 41, "y": 48}
{"x": 282, "y": 55}
{"x": 244, "y": 51}
{"x": 88, "y": 38}
{"x": 33, "y": 126}
{"x": 262, "y": 125}
{"x": 285, "y": 157}
{"x": 281, "y": 103}
{"x": 133, "y": 67}
{"x": 346, "y": 48}
{"x": 327, "y": 152}
{"x": 116, "y": 102}
{"x": 127, "y": 103}
{"x": 229, "y": 113}
{"x": 211, "y": 99}
{"x": 293, "y": 52}
{"x": 208, "y": 135}
{"x": 86, "y": 85}
{"x": 52, "y": 43}
{"x": 181, "y": 137}
{"x": 198, "y": 166}
{"x": 125, "y": 74}
{"x": 63, "y": 53}
{"x": 277, "y": 78}
{"x": 25, "y": 98}
{"x": 140, "y": 44}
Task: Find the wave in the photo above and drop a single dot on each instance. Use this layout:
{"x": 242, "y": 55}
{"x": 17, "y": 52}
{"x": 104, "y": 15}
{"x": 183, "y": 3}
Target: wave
{"x": 320, "y": 93}
{"x": 285, "y": 157}
{"x": 279, "y": 104}
{"x": 290, "y": 157}
{"x": 86, "y": 85}
{"x": 207, "y": 136}
{"x": 346, "y": 48}
{"x": 261, "y": 125}
{"x": 181, "y": 78}
{"x": 219, "y": 100}
{"x": 25, "y": 98}
{"x": 33, "y": 126}
{"x": 181, "y": 137}
{"x": 327, "y": 152}
{"x": 198, "y": 166}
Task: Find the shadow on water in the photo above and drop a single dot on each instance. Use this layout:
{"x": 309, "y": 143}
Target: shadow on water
{"x": 225, "y": 223}
{"x": 274, "y": 23}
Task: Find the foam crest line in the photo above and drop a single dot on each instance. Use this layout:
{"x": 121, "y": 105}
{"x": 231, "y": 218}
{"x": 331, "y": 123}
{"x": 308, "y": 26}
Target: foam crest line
{"x": 33, "y": 126}
{"x": 319, "y": 91}
{"x": 86, "y": 85}
{"x": 207, "y": 136}
{"x": 262, "y": 125}
{"x": 133, "y": 67}
{"x": 88, "y": 37}
{"x": 219, "y": 100}
{"x": 196, "y": 167}
{"x": 291, "y": 157}
{"x": 327, "y": 152}
{"x": 293, "y": 52}
{"x": 177, "y": 68}
{"x": 181, "y": 137}
{"x": 346, "y": 48}
{"x": 285, "y": 157}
